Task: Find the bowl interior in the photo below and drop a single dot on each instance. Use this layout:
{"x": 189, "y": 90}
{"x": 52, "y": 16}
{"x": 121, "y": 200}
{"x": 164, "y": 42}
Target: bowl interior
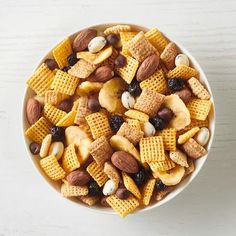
{"x": 198, "y": 163}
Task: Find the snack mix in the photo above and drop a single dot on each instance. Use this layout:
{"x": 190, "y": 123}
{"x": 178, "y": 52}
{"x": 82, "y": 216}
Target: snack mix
{"x": 118, "y": 117}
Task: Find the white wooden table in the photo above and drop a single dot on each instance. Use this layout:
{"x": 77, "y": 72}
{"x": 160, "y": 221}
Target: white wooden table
{"x": 29, "y": 28}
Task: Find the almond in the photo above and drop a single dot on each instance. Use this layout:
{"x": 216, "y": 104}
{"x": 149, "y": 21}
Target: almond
{"x": 33, "y": 110}
{"x": 124, "y": 162}
{"x": 148, "y": 67}
{"x": 78, "y": 178}
{"x": 101, "y": 74}
{"x": 83, "y": 38}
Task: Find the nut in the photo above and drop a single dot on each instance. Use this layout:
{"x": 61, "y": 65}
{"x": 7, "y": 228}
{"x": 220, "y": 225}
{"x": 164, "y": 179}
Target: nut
{"x": 202, "y": 136}
{"x": 148, "y": 129}
{"x": 181, "y": 59}
{"x": 120, "y": 61}
{"x": 56, "y": 149}
{"x": 109, "y": 187}
{"x": 122, "y": 193}
{"x": 113, "y": 39}
{"x": 96, "y": 44}
{"x": 33, "y": 110}
{"x": 127, "y": 100}
{"x": 83, "y": 38}
{"x": 93, "y": 103}
{"x": 51, "y": 64}
{"x": 124, "y": 162}
{"x": 148, "y": 67}
{"x": 78, "y": 177}
{"x": 184, "y": 94}
{"x": 101, "y": 74}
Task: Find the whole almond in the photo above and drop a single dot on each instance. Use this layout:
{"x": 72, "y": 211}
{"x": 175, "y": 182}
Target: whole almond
{"x": 101, "y": 74}
{"x": 148, "y": 67}
{"x": 78, "y": 177}
{"x": 33, "y": 110}
{"x": 124, "y": 162}
{"x": 83, "y": 38}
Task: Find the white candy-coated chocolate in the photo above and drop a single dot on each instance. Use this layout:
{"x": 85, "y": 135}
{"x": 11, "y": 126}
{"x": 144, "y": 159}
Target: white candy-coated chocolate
{"x": 181, "y": 59}
{"x": 109, "y": 187}
{"x": 202, "y": 136}
{"x": 56, "y": 149}
{"x": 148, "y": 129}
{"x": 96, "y": 44}
{"x": 127, "y": 100}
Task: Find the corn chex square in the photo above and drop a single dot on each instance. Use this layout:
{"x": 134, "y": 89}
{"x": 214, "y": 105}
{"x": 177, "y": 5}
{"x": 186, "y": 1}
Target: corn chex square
{"x": 155, "y": 82}
{"x": 52, "y": 168}
{"x": 140, "y": 48}
{"x": 157, "y": 39}
{"x": 148, "y": 191}
{"x": 67, "y": 120}
{"x": 149, "y": 102}
{"x": 73, "y": 191}
{"x": 38, "y": 131}
{"x": 64, "y": 83}
{"x": 41, "y": 80}
{"x": 128, "y": 72}
{"x": 70, "y": 159}
{"x": 169, "y": 138}
{"x": 61, "y": 52}
{"x": 152, "y": 149}
{"x": 131, "y": 185}
{"x": 124, "y": 38}
{"x": 82, "y": 110}
{"x": 123, "y": 207}
{"x": 99, "y": 125}
{"x": 52, "y": 113}
{"x": 199, "y": 109}
{"x": 182, "y": 71}
{"x": 97, "y": 173}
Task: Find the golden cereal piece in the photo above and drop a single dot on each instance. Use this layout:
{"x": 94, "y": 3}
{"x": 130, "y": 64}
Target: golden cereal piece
{"x": 97, "y": 173}
{"x": 199, "y": 109}
{"x": 67, "y": 120}
{"x": 99, "y": 125}
{"x": 89, "y": 200}
{"x": 124, "y": 38}
{"x": 167, "y": 164}
{"x": 128, "y": 72}
{"x": 52, "y": 113}
{"x": 182, "y": 71}
{"x": 155, "y": 82}
{"x": 41, "y": 80}
{"x": 73, "y": 191}
{"x": 38, "y": 130}
{"x": 148, "y": 191}
{"x": 169, "y": 138}
{"x": 64, "y": 83}
{"x": 52, "y": 168}
{"x": 82, "y": 110}
{"x": 70, "y": 159}
{"x": 131, "y": 186}
{"x": 157, "y": 39}
{"x": 137, "y": 115}
{"x": 152, "y": 149}
{"x": 61, "y": 52}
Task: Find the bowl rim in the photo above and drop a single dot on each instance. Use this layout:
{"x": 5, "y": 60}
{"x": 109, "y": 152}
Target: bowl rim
{"x": 186, "y": 181}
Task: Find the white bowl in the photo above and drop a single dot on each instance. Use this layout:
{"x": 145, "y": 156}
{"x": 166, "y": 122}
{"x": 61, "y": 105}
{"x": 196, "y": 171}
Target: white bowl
{"x": 198, "y": 163}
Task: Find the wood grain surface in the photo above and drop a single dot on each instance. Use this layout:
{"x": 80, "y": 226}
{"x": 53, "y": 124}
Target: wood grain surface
{"x": 30, "y": 28}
